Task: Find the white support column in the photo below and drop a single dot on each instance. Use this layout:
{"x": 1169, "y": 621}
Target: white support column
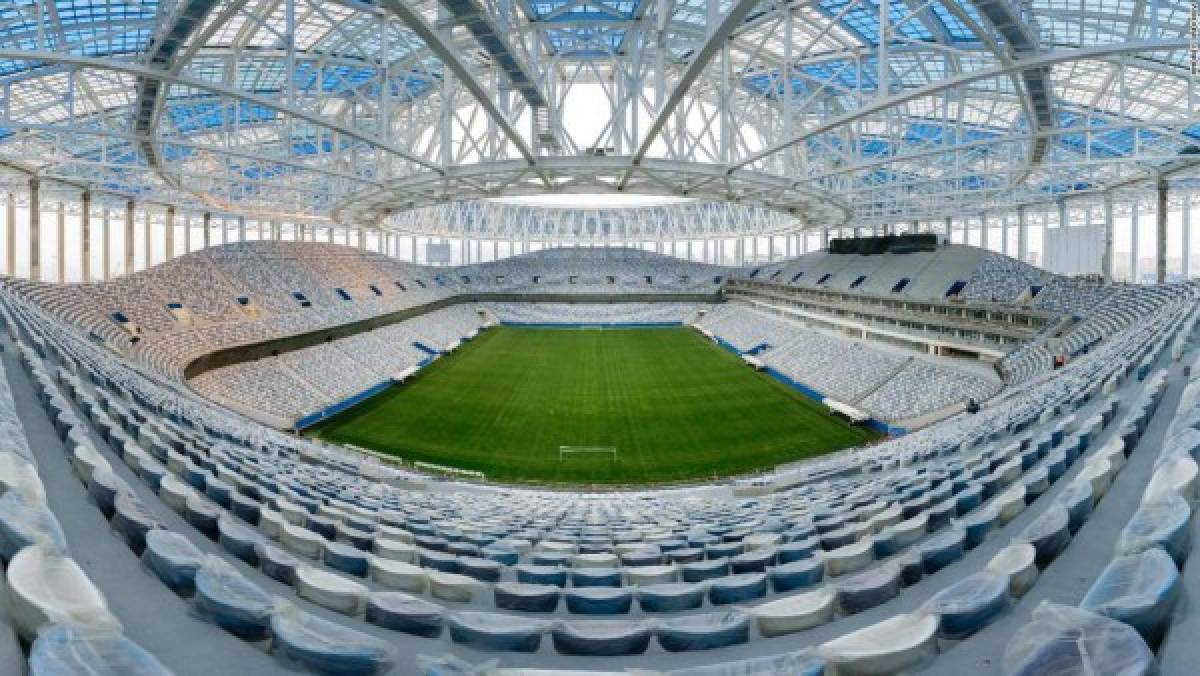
{"x": 85, "y": 237}
{"x": 61, "y": 244}
{"x": 1187, "y": 235}
{"x": 1133, "y": 248}
{"x": 169, "y": 233}
{"x": 187, "y": 234}
{"x": 1160, "y": 249}
{"x": 148, "y": 236}
{"x": 984, "y": 231}
{"x": 1005, "y": 235}
{"x": 1022, "y": 234}
{"x": 10, "y": 231}
{"x": 106, "y": 244}
{"x": 130, "y": 206}
{"x": 35, "y": 230}
{"x": 1106, "y": 258}
{"x": 241, "y": 229}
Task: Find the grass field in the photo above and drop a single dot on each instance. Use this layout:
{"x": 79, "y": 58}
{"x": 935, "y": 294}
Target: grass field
{"x": 674, "y": 405}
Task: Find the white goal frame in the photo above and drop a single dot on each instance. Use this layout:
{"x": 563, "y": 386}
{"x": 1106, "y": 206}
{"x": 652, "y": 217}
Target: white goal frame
{"x": 564, "y": 451}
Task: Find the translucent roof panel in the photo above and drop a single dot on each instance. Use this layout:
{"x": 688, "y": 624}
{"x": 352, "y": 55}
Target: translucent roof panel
{"x": 319, "y": 101}
{"x": 550, "y": 10}
{"x": 862, "y": 17}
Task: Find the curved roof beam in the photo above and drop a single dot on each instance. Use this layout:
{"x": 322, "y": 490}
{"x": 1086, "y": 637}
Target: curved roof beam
{"x": 32, "y": 171}
{"x": 1006, "y": 18}
{"x": 139, "y": 70}
{"x": 1005, "y": 139}
{"x": 204, "y": 148}
{"x": 1003, "y": 56}
{"x": 1040, "y": 60}
{"x": 1165, "y": 171}
{"x": 449, "y": 56}
{"x": 175, "y": 33}
{"x": 695, "y": 68}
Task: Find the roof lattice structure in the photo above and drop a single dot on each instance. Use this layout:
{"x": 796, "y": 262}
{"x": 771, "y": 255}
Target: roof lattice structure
{"x": 831, "y": 112}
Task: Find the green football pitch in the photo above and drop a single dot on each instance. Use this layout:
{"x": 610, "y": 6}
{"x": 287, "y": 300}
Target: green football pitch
{"x": 673, "y": 405}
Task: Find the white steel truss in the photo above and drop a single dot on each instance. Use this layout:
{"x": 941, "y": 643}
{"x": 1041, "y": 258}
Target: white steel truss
{"x": 832, "y": 113}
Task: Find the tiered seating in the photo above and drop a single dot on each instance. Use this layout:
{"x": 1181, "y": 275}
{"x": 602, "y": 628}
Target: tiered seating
{"x": 266, "y": 275}
{"x": 1000, "y": 279}
{"x": 874, "y": 560}
{"x": 920, "y": 387}
{"x": 294, "y": 384}
{"x": 1128, "y": 613}
{"x": 930, "y": 273}
{"x": 586, "y": 270}
{"x": 262, "y": 384}
{"x": 891, "y": 384}
{"x": 51, "y": 603}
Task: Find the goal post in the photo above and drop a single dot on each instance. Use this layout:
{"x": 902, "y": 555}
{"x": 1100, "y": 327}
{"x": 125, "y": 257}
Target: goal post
{"x": 566, "y": 451}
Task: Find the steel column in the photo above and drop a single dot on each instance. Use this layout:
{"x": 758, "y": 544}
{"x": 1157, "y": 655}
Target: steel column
{"x": 1106, "y": 260}
{"x": 35, "y": 230}
{"x": 169, "y": 233}
{"x": 1160, "y": 253}
{"x": 85, "y": 237}
{"x": 10, "y": 228}
{"x": 129, "y": 213}
{"x": 61, "y": 244}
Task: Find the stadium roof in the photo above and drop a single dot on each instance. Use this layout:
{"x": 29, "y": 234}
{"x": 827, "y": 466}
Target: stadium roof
{"x": 831, "y": 111}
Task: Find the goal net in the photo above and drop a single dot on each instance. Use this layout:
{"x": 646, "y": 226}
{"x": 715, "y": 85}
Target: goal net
{"x": 567, "y": 451}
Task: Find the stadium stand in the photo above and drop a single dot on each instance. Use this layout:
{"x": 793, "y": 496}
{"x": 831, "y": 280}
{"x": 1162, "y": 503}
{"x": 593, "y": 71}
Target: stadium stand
{"x": 891, "y": 384}
{"x": 929, "y": 551}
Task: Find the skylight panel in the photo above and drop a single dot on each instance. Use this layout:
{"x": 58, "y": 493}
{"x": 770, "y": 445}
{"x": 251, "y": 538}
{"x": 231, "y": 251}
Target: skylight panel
{"x": 338, "y": 30}
{"x": 319, "y": 21}
{"x": 863, "y": 19}
{"x": 271, "y": 31}
{"x": 954, "y": 27}
{"x": 75, "y": 13}
{"x": 261, "y": 75}
{"x": 18, "y": 26}
{"x": 38, "y": 99}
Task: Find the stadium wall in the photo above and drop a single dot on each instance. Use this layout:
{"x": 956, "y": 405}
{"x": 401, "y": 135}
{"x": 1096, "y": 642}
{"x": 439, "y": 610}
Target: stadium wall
{"x": 334, "y": 409}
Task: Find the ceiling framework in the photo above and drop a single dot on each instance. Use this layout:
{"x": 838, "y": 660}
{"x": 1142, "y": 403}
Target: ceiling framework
{"x": 385, "y": 112}
{"x": 503, "y": 221}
